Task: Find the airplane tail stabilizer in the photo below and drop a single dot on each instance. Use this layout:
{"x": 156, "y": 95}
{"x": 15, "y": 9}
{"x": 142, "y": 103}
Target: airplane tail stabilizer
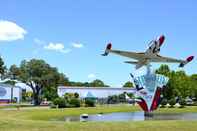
{"x": 189, "y": 59}
{"x": 131, "y": 62}
{"x": 108, "y": 48}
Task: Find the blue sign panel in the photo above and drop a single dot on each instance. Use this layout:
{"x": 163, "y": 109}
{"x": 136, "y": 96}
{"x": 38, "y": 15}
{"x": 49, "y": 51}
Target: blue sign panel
{"x": 2, "y": 91}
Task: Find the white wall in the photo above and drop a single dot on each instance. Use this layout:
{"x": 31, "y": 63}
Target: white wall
{"x": 101, "y": 92}
{"x": 17, "y": 92}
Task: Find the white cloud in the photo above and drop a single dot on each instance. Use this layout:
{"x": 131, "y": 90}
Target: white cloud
{"x": 39, "y": 42}
{"x": 10, "y": 31}
{"x": 77, "y": 45}
{"x": 54, "y": 46}
{"x": 91, "y": 76}
{"x": 59, "y": 47}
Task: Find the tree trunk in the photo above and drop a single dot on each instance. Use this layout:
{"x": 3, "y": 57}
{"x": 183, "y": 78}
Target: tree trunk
{"x": 36, "y": 99}
{"x": 36, "y": 94}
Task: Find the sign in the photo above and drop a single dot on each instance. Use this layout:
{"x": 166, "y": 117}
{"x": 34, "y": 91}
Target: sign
{"x": 148, "y": 90}
{"x": 2, "y": 91}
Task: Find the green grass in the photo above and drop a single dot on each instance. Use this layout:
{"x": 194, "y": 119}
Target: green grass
{"x": 40, "y": 120}
{"x": 15, "y": 106}
{"x": 187, "y": 109}
{"x": 51, "y": 114}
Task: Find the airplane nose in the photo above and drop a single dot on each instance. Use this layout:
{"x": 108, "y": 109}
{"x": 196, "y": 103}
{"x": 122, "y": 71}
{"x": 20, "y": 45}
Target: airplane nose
{"x": 161, "y": 40}
{"x": 190, "y": 58}
{"x": 109, "y": 45}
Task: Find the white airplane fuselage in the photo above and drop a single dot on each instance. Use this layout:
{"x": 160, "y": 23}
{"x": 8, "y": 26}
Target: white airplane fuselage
{"x": 152, "y": 51}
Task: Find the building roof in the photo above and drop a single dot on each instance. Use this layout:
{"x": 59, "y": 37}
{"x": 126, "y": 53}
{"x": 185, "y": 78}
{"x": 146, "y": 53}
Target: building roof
{"x": 8, "y": 85}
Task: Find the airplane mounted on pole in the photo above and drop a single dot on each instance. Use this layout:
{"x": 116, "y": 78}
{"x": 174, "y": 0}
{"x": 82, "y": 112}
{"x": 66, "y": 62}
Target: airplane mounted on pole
{"x": 149, "y": 56}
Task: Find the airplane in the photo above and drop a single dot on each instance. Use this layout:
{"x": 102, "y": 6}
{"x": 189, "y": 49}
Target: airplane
{"x": 149, "y": 56}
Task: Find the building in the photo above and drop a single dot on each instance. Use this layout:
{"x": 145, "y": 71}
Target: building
{"x": 9, "y": 93}
{"x": 97, "y": 92}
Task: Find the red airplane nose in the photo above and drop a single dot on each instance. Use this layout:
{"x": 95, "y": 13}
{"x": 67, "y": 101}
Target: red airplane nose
{"x": 190, "y": 58}
{"x": 161, "y": 40}
{"x": 109, "y": 45}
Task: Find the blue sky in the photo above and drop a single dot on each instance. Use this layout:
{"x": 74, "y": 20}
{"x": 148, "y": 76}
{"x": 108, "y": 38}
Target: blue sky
{"x": 72, "y": 34}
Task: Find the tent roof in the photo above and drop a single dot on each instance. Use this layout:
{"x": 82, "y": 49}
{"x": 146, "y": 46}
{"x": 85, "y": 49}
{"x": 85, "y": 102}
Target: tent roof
{"x": 90, "y": 95}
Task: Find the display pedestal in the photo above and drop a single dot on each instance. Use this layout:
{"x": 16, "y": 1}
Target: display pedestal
{"x": 148, "y": 114}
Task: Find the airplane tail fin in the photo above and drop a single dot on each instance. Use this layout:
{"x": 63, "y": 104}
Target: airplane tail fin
{"x": 108, "y": 48}
{"x": 131, "y": 62}
{"x": 189, "y": 59}
{"x": 137, "y": 65}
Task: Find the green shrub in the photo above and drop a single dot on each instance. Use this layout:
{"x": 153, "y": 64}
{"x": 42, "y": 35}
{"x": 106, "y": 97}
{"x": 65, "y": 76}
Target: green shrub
{"x": 122, "y": 98}
{"x": 172, "y": 102}
{"x": 89, "y": 103}
{"x": 195, "y": 103}
{"x": 67, "y": 96}
{"x": 76, "y": 95}
{"x": 182, "y": 103}
{"x": 74, "y": 102}
{"x": 61, "y": 102}
{"x": 112, "y": 99}
{"x": 53, "y": 106}
{"x": 163, "y": 103}
{"x": 131, "y": 95}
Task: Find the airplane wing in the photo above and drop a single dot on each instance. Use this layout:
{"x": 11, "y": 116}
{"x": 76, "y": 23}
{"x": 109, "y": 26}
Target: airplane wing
{"x": 159, "y": 58}
{"x": 133, "y": 55}
{"x": 129, "y": 54}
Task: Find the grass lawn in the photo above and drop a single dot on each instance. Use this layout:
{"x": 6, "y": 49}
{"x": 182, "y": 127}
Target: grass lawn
{"x": 40, "y": 120}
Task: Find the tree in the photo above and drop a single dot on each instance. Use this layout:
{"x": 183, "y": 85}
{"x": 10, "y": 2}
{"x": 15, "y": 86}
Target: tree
{"x": 172, "y": 102}
{"x": 177, "y": 83}
{"x": 75, "y": 84}
{"x": 193, "y": 85}
{"x": 39, "y": 75}
{"x": 163, "y": 70}
{"x": 170, "y": 89}
{"x": 62, "y": 79}
{"x": 97, "y": 83}
{"x": 182, "y": 84}
{"x": 14, "y": 72}
{"x": 128, "y": 84}
{"x": 2, "y": 68}
{"x": 49, "y": 93}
